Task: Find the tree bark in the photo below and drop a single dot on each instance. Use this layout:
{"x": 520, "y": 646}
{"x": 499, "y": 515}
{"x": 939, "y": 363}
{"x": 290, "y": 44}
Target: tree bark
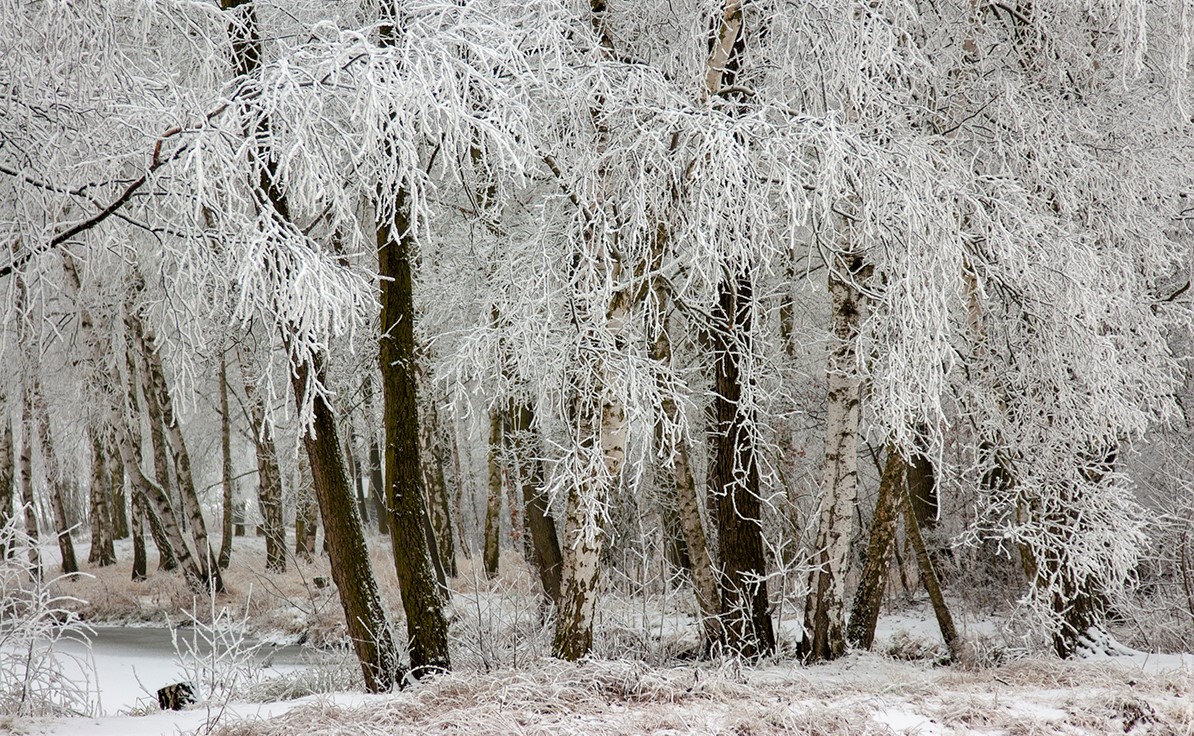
{"x": 377, "y": 489}
{"x": 7, "y": 475}
{"x": 928, "y": 577}
{"x": 225, "y": 466}
{"x": 493, "y": 506}
{"x": 734, "y": 481}
{"x": 103, "y": 551}
{"x": 439, "y": 509}
{"x": 824, "y": 623}
{"x": 269, "y": 483}
{"x": 137, "y": 531}
{"x": 161, "y": 413}
{"x": 864, "y": 614}
{"x": 426, "y": 621}
{"x": 306, "y": 512}
{"x": 117, "y": 497}
{"x": 25, "y": 475}
{"x": 545, "y": 543}
{"x": 352, "y": 571}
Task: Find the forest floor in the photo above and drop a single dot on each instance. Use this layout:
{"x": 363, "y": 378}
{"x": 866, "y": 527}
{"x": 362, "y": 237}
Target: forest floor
{"x": 641, "y": 680}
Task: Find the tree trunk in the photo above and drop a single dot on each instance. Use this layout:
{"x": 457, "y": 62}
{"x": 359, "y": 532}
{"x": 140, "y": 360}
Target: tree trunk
{"x": 352, "y": 571}
{"x": 377, "y": 488}
{"x": 545, "y": 544}
{"x": 269, "y": 483}
{"x": 26, "y": 482}
{"x": 117, "y": 498}
{"x": 137, "y": 530}
{"x": 7, "y": 475}
{"x": 824, "y": 622}
{"x": 161, "y": 413}
{"x": 225, "y": 466}
{"x": 426, "y": 621}
{"x": 734, "y": 481}
{"x": 493, "y": 506}
{"x": 103, "y": 551}
{"x": 306, "y": 512}
{"x": 688, "y": 508}
{"x": 864, "y": 614}
{"x": 439, "y": 509}
{"x": 928, "y": 577}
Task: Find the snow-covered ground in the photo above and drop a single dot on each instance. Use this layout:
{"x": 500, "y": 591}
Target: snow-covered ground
{"x": 506, "y": 683}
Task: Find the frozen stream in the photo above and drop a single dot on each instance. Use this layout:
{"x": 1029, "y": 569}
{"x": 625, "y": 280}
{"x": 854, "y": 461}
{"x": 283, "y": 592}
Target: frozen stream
{"x": 132, "y": 663}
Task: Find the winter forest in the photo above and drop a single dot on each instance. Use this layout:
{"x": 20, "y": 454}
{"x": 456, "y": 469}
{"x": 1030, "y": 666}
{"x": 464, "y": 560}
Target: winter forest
{"x": 513, "y": 346}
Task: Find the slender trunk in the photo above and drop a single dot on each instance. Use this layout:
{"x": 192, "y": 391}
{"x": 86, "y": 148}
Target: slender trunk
{"x": 117, "y": 498}
{"x": 734, "y": 481}
{"x": 493, "y": 507}
{"x": 688, "y": 509}
{"x": 269, "y": 484}
{"x": 824, "y": 623}
{"x": 928, "y": 577}
{"x": 351, "y": 569}
{"x": 377, "y": 489}
{"x": 26, "y": 482}
{"x": 545, "y": 544}
{"x": 439, "y": 509}
{"x": 161, "y": 413}
{"x": 922, "y": 486}
{"x": 426, "y": 621}
{"x": 864, "y": 615}
{"x": 306, "y": 512}
{"x": 7, "y": 475}
{"x": 137, "y": 530}
{"x": 225, "y": 466}
{"x": 103, "y": 552}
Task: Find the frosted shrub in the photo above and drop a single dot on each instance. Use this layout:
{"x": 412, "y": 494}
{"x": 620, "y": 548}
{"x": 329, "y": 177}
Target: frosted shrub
{"x": 215, "y": 655}
{"x": 38, "y": 678}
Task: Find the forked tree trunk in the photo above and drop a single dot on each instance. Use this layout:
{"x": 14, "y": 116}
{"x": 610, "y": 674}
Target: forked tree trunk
{"x": 426, "y": 621}
{"x": 351, "y": 569}
{"x": 545, "y": 543}
{"x": 493, "y": 506}
{"x": 734, "y": 481}
{"x": 103, "y": 551}
{"x": 161, "y": 410}
{"x": 824, "y": 621}
{"x": 225, "y": 466}
{"x": 864, "y": 615}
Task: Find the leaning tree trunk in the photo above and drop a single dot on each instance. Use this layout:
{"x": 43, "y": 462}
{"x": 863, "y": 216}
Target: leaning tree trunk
{"x": 426, "y": 621}
{"x": 352, "y": 571}
{"x": 734, "y": 481}
{"x": 545, "y": 544}
{"x": 928, "y": 576}
{"x": 225, "y": 466}
{"x": 824, "y": 622}
{"x": 157, "y": 395}
{"x": 493, "y": 506}
{"x": 864, "y": 615}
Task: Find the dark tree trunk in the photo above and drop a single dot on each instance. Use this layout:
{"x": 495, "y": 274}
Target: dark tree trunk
{"x": 928, "y": 577}
{"x": 225, "y": 466}
{"x": 545, "y": 542}
{"x": 439, "y": 510}
{"x": 7, "y": 476}
{"x": 493, "y": 505}
{"x": 427, "y": 626}
{"x": 377, "y": 489}
{"x": 734, "y": 481}
{"x": 103, "y": 552}
{"x": 137, "y": 530}
{"x": 352, "y": 571}
{"x": 922, "y": 487}
{"x": 117, "y": 497}
{"x": 864, "y": 614}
